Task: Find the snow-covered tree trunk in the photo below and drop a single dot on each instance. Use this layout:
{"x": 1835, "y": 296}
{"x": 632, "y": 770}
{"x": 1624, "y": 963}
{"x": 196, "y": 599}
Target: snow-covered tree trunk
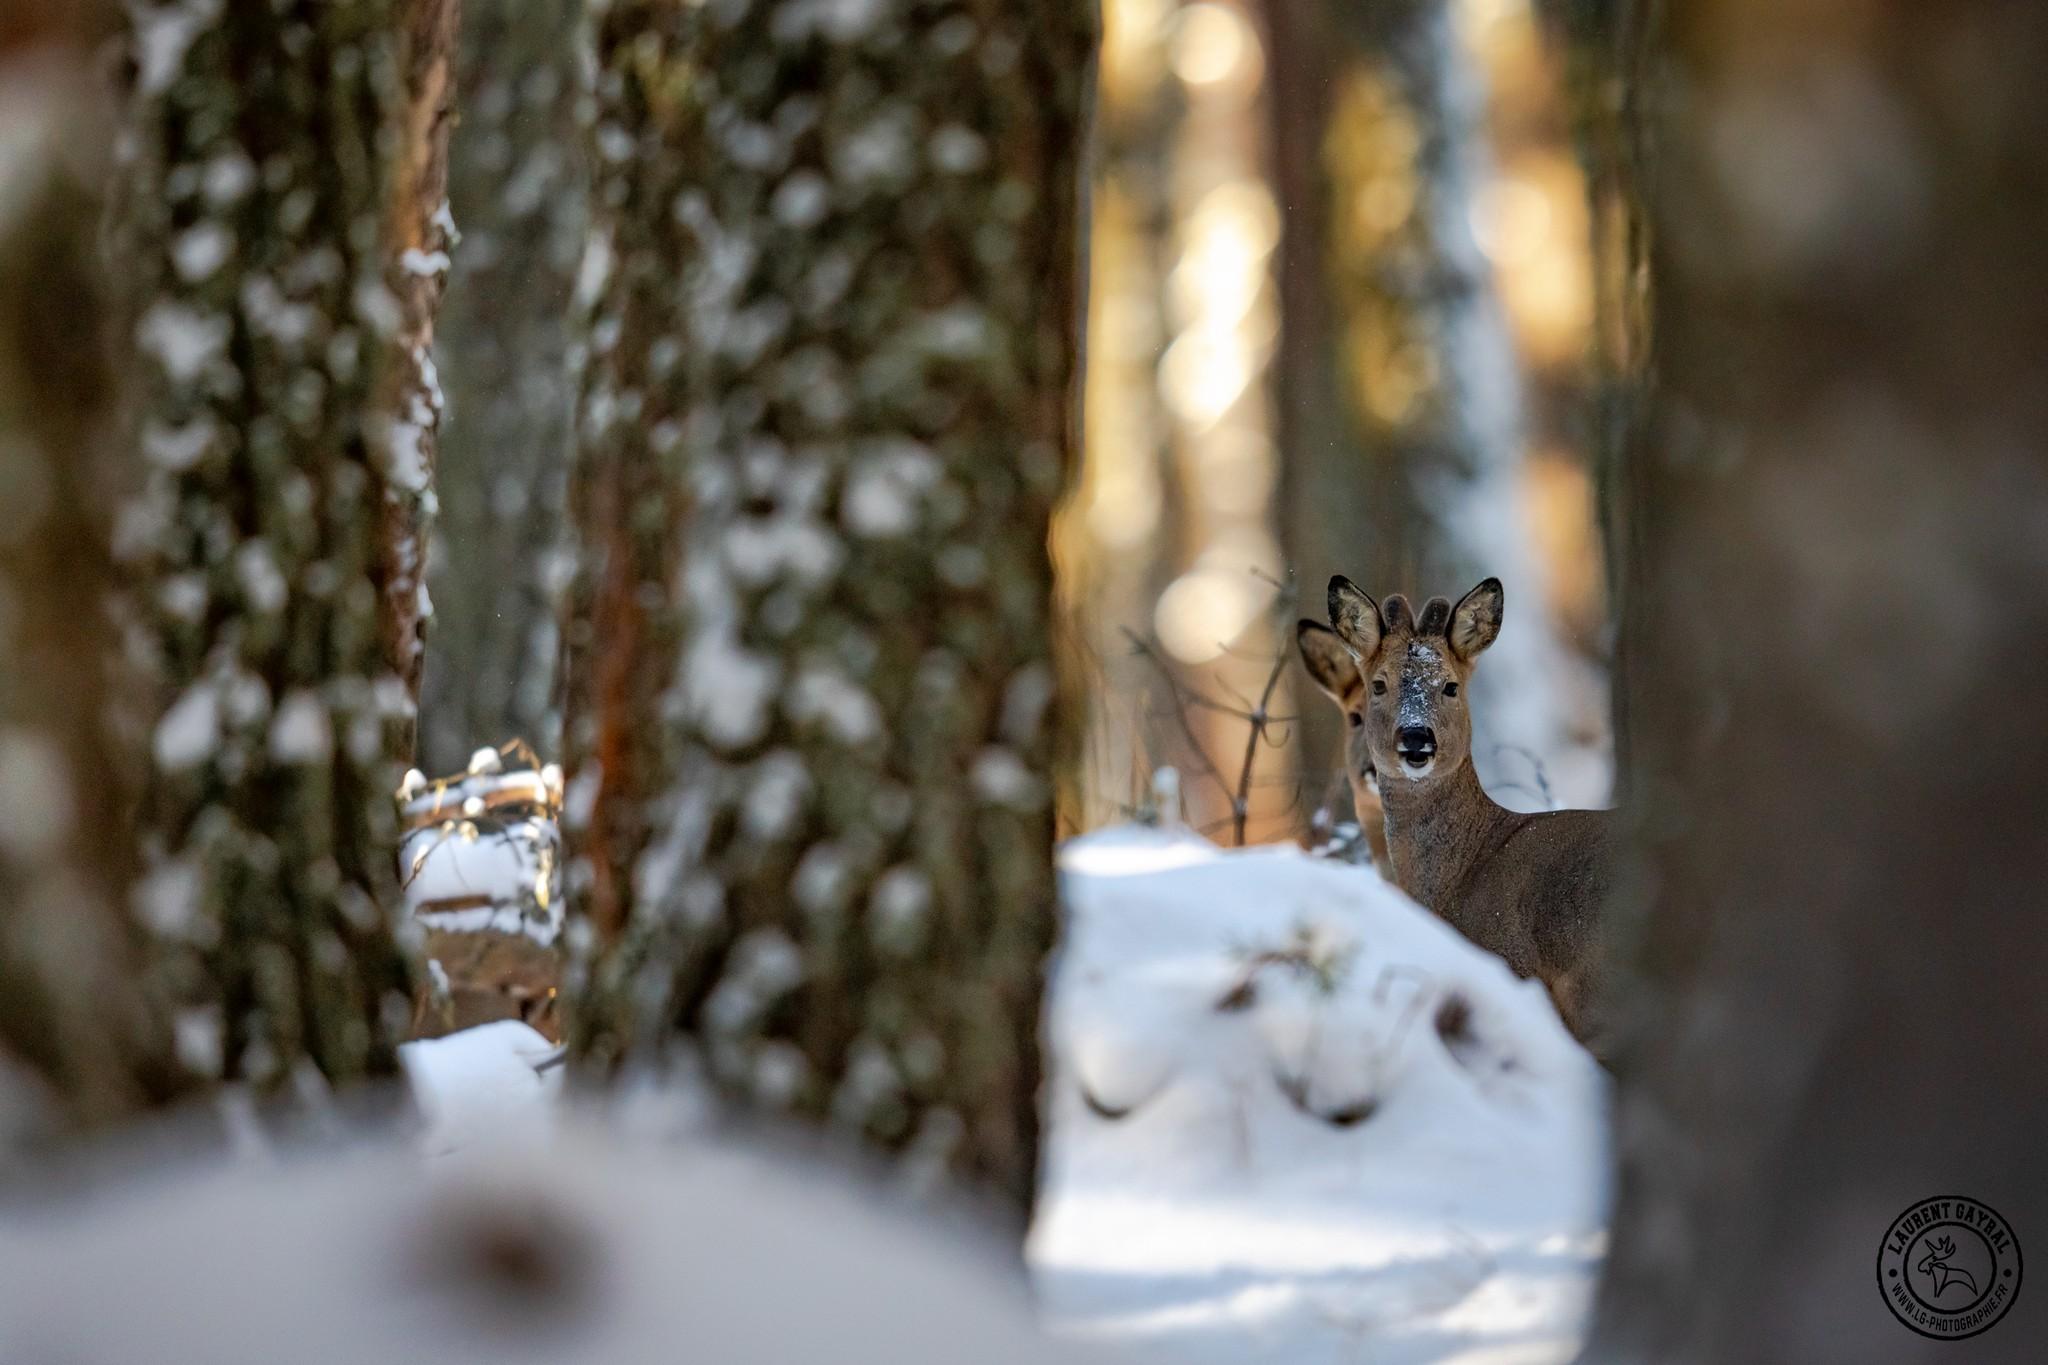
{"x": 829, "y": 408}
{"x": 503, "y": 338}
{"x": 278, "y": 225}
{"x": 79, "y": 1042}
{"x": 419, "y": 229}
{"x": 1399, "y": 397}
{"x": 1833, "y": 918}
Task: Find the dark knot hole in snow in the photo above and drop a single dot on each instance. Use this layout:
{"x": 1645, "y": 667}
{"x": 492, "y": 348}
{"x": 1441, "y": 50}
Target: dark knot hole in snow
{"x": 1101, "y": 1108}
{"x": 513, "y": 1258}
{"x": 1454, "y": 1022}
{"x": 1457, "y": 1027}
{"x": 1349, "y": 1114}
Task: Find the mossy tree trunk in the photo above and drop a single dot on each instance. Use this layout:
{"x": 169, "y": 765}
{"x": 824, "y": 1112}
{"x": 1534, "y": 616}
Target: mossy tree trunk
{"x": 515, "y": 184}
{"x": 828, "y": 411}
{"x": 279, "y": 225}
{"x": 1400, "y": 426}
{"x": 82, "y": 1044}
{"x": 1832, "y": 921}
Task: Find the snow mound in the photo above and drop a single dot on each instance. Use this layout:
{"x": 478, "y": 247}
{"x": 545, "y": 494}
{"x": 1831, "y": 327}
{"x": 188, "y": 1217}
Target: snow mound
{"x": 597, "y": 1251}
{"x": 495, "y": 1084}
{"x": 1295, "y": 1117}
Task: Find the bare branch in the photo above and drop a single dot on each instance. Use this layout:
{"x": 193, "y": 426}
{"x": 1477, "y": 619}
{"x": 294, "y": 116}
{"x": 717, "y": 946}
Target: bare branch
{"x": 1206, "y": 766}
{"x": 1241, "y": 801}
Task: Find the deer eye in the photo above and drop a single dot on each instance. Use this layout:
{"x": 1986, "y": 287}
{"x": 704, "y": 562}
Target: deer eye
{"x": 1450, "y": 689}
{"x": 1379, "y": 687}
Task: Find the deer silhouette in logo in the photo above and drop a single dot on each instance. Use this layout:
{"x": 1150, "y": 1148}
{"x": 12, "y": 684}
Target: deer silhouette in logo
{"x": 1934, "y": 1265}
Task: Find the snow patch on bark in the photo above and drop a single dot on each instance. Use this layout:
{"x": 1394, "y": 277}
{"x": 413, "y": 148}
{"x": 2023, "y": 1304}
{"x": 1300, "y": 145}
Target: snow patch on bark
{"x": 163, "y": 35}
{"x": 189, "y": 732}
{"x": 301, "y": 731}
{"x": 182, "y": 339}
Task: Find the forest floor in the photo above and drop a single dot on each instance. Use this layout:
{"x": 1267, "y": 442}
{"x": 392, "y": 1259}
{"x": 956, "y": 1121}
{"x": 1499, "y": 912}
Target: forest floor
{"x": 1292, "y": 1118}
{"x": 1295, "y": 1118}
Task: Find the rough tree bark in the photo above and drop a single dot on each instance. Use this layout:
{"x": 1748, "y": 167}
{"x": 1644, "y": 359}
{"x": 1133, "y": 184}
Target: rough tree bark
{"x": 418, "y": 230}
{"x": 515, "y": 185}
{"x": 832, "y": 364}
{"x": 82, "y": 1045}
{"x": 279, "y": 226}
{"x": 1834, "y": 915}
{"x": 1398, "y": 395}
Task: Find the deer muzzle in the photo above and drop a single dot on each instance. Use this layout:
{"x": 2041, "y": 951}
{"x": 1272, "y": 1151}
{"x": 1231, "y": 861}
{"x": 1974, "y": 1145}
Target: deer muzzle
{"x": 1416, "y": 745}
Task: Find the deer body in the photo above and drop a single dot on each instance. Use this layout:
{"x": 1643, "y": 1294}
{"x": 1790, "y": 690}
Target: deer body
{"x": 1529, "y": 887}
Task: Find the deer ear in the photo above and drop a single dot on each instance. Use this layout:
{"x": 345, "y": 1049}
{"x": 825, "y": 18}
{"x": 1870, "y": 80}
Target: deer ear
{"x": 1355, "y": 617}
{"x": 1328, "y": 661}
{"x": 1475, "y": 621}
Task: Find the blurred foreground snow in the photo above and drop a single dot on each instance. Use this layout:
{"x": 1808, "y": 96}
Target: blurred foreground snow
{"x": 1292, "y": 1118}
{"x": 593, "y": 1250}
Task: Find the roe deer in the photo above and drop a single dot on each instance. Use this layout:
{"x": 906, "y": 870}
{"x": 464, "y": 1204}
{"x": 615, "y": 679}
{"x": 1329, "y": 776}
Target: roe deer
{"x": 1528, "y": 887}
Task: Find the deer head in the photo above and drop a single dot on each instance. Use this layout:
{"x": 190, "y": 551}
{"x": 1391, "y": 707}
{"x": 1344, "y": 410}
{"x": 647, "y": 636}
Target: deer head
{"x": 1335, "y": 671}
{"x": 1400, "y": 678}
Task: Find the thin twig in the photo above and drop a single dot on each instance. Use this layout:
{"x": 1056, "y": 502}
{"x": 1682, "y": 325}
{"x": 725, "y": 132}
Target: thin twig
{"x": 1151, "y": 655}
{"x": 1258, "y": 718}
{"x": 1240, "y": 805}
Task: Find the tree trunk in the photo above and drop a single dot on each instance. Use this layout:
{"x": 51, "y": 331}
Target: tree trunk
{"x": 278, "y": 225}
{"x": 81, "y": 1043}
{"x": 1399, "y": 404}
{"x": 1832, "y": 915}
{"x": 832, "y": 361}
{"x": 504, "y": 449}
{"x": 1610, "y": 51}
{"x": 419, "y": 230}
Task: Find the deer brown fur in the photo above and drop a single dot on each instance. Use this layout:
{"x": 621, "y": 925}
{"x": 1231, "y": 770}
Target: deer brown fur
{"x": 1530, "y": 887}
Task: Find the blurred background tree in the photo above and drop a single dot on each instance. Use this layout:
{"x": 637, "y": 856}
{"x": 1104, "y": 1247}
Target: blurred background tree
{"x": 82, "y": 1042}
{"x": 812, "y": 730}
{"x": 1228, "y": 440}
{"x": 502, "y": 344}
{"x": 1405, "y": 453}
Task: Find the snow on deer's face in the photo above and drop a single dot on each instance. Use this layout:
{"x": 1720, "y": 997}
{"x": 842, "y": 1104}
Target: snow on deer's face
{"x": 1408, "y": 717}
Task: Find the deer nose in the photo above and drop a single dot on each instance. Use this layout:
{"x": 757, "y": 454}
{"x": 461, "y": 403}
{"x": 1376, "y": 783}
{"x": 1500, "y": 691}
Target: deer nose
{"x": 1417, "y": 744}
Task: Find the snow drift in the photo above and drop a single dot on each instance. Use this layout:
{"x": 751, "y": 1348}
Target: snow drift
{"x": 1295, "y": 1117}
{"x": 1292, "y": 1117}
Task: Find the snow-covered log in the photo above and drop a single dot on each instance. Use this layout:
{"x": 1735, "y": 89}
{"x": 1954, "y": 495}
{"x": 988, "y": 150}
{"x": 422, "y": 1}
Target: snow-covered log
{"x": 479, "y": 863}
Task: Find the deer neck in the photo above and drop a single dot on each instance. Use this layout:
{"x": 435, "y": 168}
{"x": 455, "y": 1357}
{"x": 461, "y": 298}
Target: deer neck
{"x": 1437, "y": 831}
